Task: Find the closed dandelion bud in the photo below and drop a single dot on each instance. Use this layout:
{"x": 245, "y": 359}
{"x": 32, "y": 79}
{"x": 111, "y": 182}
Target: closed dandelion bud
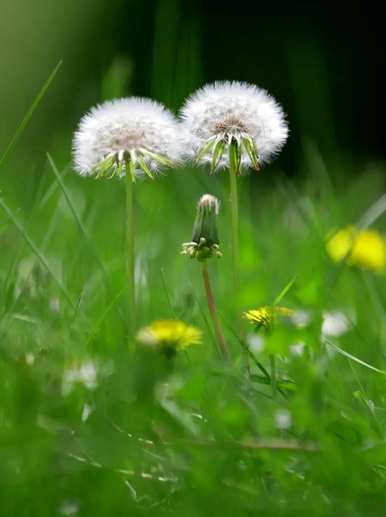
{"x": 205, "y": 240}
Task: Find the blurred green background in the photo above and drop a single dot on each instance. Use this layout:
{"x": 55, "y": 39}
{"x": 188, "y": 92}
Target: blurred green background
{"x": 320, "y": 61}
{"x": 112, "y": 442}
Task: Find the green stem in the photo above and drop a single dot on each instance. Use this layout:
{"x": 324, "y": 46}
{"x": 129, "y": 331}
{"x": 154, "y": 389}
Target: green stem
{"x": 233, "y": 172}
{"x": 130, "y": 253}
{"x": 213, "y": 313}
{"x": 272, "y": 360}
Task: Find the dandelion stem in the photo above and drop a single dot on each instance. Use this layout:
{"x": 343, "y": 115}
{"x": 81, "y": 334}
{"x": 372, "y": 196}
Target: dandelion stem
{"x": 233, "y": 172}
{"x": 130, "y": 252}
{"x": 272, "y": 360}
{"x": 213, "y": 313}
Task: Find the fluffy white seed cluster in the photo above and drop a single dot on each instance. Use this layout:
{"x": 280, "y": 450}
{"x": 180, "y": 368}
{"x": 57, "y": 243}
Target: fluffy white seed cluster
{"x": 131, "y": 130}
{"x": 223, "y": 111}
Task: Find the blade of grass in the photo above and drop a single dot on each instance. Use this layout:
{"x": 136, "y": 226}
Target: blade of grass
{"x": 76, "y": 216}
{"x": 354, "y": 358}
{"x": 27, "y": 117}
{"x": 284, "y": 291}
{"x": 36, "y": 251}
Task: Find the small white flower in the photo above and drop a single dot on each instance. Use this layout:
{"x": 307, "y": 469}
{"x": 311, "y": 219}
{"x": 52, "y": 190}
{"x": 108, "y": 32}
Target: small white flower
{"x": 132, "y": 133}
{"x": 297, "y": 349}
{"x": 86, "y": 412}
{"x": 283, "y": 419}
{"x": 69, "y": 507}
{"x": 335, "y": 324}
{"x": 29, "y": 359}
{"x": 223, "y": 112}
{"x": 85, "y": 373}
{"x": 255, "y": 343}
{"x": 301, "y": 318}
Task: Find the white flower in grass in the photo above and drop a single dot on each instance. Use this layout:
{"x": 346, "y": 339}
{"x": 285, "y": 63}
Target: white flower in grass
{"x": 335, "y": 324}
{"x": 85, "y": 374}
{"x": 134, "y": 134}
{"x": 223, "y": 113}
{"x": 283, "y": 419}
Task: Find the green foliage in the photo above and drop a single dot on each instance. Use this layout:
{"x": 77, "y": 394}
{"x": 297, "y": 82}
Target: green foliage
{"x": 91, "y": 426}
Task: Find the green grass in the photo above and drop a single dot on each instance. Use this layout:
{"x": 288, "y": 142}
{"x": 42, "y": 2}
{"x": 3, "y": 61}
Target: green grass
{"x": 198, "y": 437}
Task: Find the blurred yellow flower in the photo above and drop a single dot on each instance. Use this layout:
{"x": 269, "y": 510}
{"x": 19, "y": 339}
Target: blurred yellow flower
{"x": 363, "y": 248}
{"x": 169, "y": 336}
{"x": 265, "y": 316}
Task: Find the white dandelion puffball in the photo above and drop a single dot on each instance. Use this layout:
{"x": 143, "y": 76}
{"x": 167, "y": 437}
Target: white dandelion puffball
{"x": 223, "y": 111}
{"x": 135, "y": 133}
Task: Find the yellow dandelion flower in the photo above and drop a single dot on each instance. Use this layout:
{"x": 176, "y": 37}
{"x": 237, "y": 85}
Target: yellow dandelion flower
{"x": 265, "y": 316}
{"x": 169, "y": 336}
{"x": 362, "y": 248}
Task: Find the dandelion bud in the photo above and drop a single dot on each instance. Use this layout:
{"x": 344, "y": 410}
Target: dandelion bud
{"x": 205, "y": 241}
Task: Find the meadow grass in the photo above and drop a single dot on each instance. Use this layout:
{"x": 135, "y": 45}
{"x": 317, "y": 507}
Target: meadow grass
{"x": 92, "y": 426}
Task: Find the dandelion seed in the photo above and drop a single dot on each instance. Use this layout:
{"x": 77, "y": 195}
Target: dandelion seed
{"x": 169, "y": 336}
{"x": 361, "y": 248}
{"x": 225, "y": 112}
{"x": 132, "y": 135}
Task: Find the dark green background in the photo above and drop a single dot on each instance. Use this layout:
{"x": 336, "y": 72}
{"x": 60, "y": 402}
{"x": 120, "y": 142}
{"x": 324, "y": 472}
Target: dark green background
{"x": 323, "y": 63}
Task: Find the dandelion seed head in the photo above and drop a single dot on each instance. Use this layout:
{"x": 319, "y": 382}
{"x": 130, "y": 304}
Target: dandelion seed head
{"x": 131, "y": 128}
{"x": 226, "y": 110}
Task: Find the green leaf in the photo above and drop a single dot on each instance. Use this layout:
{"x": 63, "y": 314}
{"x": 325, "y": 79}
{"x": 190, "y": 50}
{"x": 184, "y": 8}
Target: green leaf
{"x": 144, "y": 167}
{"x": 250, "y": 148}
{"x": 205, "y": 149}
{"x": 163, "y": 160}
{"x": 217, "y": 154}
